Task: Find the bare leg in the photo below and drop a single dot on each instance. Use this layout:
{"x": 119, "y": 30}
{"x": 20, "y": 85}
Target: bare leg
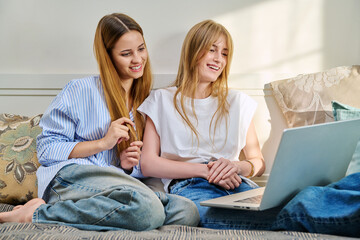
{"x": 22, "y": 213}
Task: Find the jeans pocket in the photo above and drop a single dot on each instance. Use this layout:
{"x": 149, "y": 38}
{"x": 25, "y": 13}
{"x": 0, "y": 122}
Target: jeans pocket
{"x": 178, "y": 187}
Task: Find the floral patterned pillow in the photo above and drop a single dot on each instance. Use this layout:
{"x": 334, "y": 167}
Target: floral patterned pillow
{"x": 18, "y": 160}
{"x": 306, "y": 99}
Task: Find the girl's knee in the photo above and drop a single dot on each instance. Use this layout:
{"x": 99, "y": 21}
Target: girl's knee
{"x": 150, "y": 213}
{"x": 182, "y": 211}
{"x": 150, "y": 218}
{"x": 190, "y": 214}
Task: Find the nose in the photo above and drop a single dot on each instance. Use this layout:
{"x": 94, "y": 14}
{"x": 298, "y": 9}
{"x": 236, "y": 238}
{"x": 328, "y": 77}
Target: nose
{"x": 217, "y": 56}
{"x": 136, "y": 58}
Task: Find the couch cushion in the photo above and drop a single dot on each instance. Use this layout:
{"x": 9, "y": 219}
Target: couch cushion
{"x": 346, "y": 112}
{"x": 18, "y": 160}
{"x": 306, "y": 99}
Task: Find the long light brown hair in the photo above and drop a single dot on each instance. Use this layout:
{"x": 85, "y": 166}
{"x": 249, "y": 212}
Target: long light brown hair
{"x": 109, "y": 30}
{"x": 197, "y": 42}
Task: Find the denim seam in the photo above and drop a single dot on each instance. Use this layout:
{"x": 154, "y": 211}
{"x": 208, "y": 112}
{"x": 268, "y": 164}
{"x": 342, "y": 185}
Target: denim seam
{"x": 35, "y": 217}
{"x": 112, "y": 212}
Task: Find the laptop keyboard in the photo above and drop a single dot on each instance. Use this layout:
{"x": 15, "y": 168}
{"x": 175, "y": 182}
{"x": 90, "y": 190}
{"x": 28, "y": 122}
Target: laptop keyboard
{"x": 255, "y": 199}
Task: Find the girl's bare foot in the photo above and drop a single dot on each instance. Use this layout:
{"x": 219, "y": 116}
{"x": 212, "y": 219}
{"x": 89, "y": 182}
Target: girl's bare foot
{"x": 22, "y": 213}
{"x": 17, "y": 207}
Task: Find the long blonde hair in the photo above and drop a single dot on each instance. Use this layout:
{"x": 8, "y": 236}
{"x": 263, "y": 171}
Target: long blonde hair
{"x": 197, "y": 42}
{"x": 110, "y": 28}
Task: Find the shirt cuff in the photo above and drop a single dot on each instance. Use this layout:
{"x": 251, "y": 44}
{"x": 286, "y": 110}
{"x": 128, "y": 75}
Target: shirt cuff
{"x": 60, "y": 151}
{"x": 136, "y": 172}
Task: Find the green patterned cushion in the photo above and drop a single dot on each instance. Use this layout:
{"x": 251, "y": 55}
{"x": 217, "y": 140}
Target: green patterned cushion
{"x": 18, "y": 160}
{"x": 346, "y": 112}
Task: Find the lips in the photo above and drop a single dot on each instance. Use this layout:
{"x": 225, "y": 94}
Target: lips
{"x": 136, "y": 68}
{"x": 213, "y": 67}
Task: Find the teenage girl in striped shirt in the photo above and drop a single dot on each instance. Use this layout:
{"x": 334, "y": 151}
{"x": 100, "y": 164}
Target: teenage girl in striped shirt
{"x": 90, "y": 146}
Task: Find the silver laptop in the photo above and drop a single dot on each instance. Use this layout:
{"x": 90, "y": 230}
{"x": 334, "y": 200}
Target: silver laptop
{"x": 313, "y": 155}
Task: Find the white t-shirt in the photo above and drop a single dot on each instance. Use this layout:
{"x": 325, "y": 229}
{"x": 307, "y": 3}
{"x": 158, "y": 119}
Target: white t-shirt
{"x": 176, "y": 138}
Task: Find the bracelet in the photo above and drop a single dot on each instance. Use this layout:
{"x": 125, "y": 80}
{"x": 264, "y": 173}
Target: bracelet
{"x": 252, "y": 169}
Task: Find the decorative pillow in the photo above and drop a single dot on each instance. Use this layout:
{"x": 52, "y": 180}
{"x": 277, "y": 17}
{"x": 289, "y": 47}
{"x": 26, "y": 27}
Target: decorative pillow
{"x": 306, "y": 99}
{"x": 345, "y": 112}
{"x": 18, "y": 160}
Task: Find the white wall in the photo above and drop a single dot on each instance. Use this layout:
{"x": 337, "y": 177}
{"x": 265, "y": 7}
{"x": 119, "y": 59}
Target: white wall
{"x": 273, "y": 38}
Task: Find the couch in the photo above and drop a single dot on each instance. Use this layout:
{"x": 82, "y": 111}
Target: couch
{"x": 302, "y": 100}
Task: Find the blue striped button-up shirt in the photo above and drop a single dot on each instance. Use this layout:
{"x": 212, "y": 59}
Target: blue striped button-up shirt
{"x": 78, "y": 113}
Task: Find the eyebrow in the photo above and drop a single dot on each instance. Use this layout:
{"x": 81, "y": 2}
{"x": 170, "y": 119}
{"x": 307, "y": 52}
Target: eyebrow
{"x": 214, "y": 45}
{"x": 128, "y": 50}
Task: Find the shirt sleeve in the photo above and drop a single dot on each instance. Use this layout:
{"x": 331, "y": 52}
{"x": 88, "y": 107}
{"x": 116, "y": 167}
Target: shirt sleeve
{"x": 247, "y": 111}
{"x": 151, "y": 107}
{"x": 56, "y": 141}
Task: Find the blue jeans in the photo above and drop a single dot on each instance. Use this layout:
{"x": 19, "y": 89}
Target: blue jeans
{"x": 102, "y": 198}
{"x": 199, "y": 189}
{"x": 334, "y": 209}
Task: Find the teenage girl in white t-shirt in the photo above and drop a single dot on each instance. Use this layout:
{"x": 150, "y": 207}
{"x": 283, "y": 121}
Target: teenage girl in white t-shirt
{"x": 196, "y": 130}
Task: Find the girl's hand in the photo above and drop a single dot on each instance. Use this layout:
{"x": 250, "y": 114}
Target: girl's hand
{"x": 117, "y": 132}
{"x": 231, "y": 182}
{"x": 130, "y": 157}
{"x": 222, "y": 169}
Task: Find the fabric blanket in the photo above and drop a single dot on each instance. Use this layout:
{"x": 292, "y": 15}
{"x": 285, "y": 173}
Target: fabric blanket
{"x": 48, "y": 231}
{"x": 51, "y": 231}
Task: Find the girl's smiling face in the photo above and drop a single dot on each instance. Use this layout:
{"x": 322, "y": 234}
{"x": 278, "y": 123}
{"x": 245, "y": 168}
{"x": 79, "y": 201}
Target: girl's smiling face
{"x": 213, "y": 62}
{"x": 129, "y": 55}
